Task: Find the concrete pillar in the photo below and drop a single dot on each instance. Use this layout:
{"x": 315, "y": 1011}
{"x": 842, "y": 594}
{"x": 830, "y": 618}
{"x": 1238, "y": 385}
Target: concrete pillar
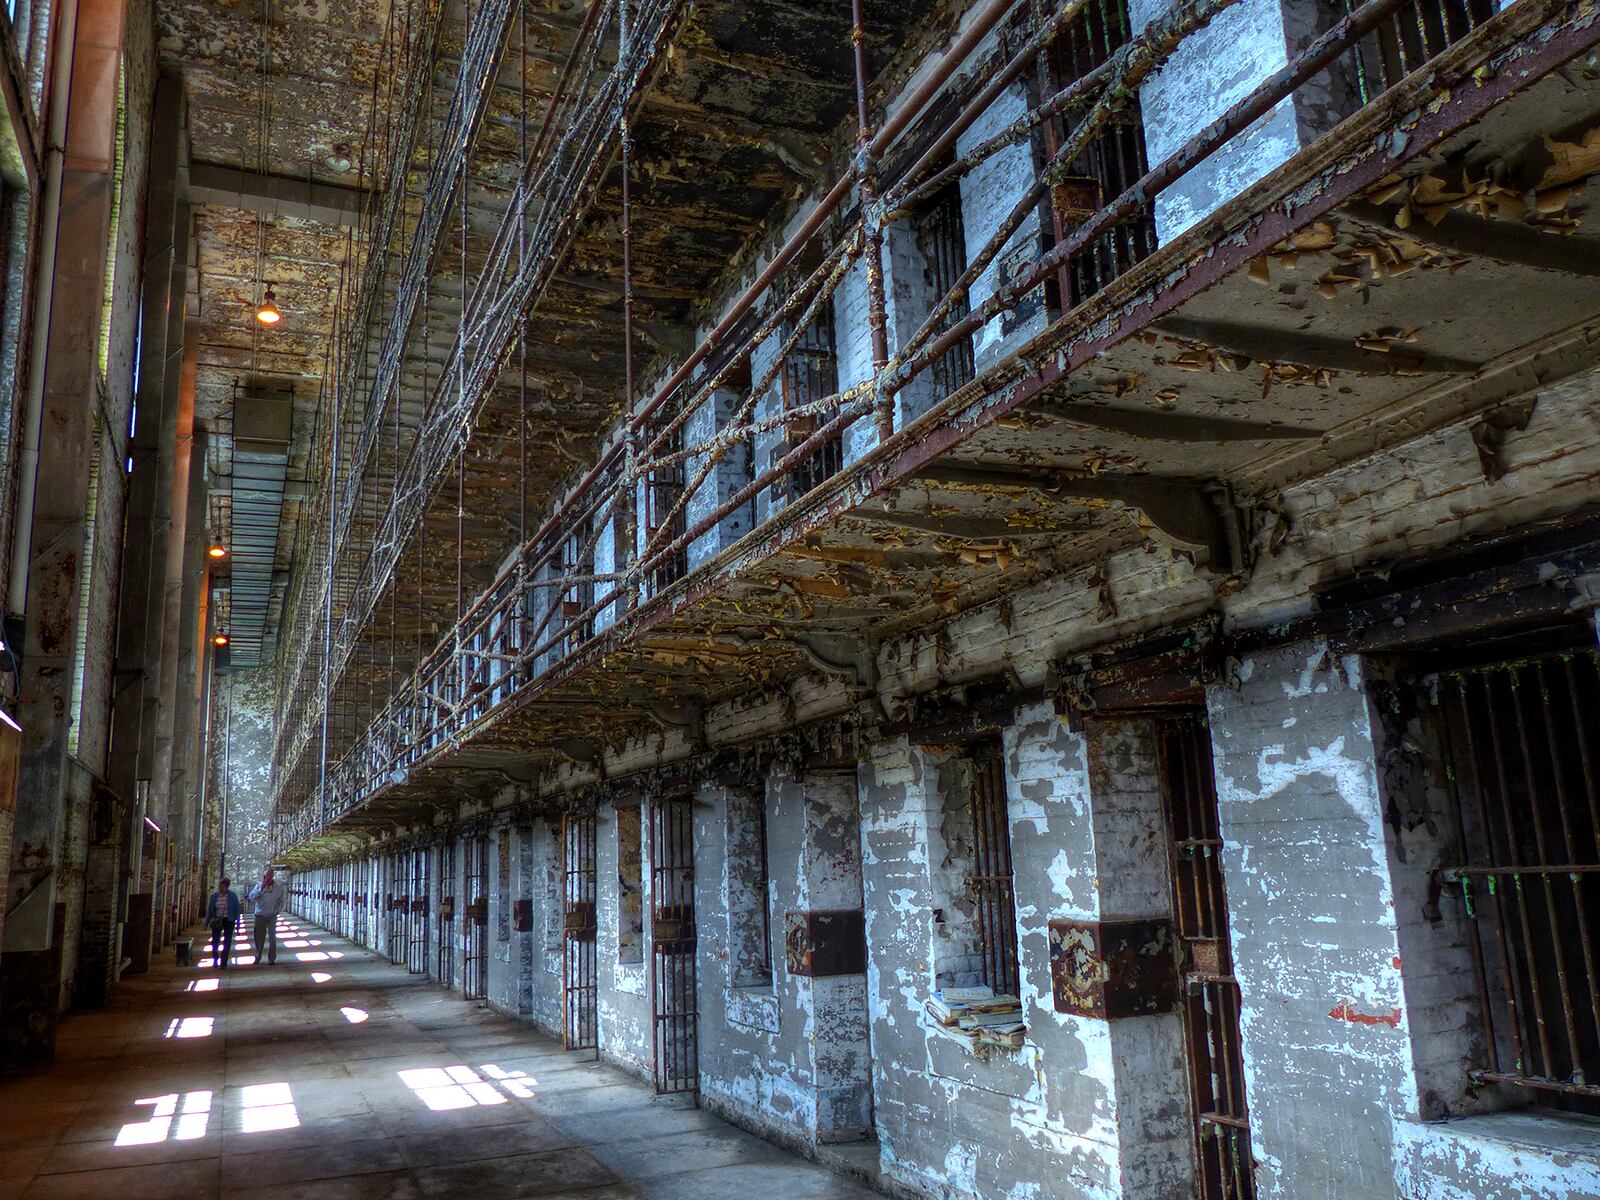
{"x": 30, "y": 970}
{"x": 988, "y": 194}
{"x": 1095, "y": 1098}
{"x": 1216, "y": 68}
{"x": 179, "y": 556}
{"x": 726, "y": 478}
{"x": 138, "y": 610}
{"x": 188, "y": 702}
{"x": 1316, "y": 919}
{"x": 825, "y": 953}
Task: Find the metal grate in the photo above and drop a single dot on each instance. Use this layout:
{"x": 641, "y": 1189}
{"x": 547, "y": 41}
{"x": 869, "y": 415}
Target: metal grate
{"x": 991, "y": 883}
{"x": 1522, "y": 740}
{"x": 475, "y": 959}
{"x": 942, "y": 238}
{"x": 810, "y": 373}
{"x": 674, "y": 1003}
{"x": 1111, "y": 162}
{"x": 580, "y": 983}
{"x": 1224, "y": 1167}
{"x": 445, "y": 922}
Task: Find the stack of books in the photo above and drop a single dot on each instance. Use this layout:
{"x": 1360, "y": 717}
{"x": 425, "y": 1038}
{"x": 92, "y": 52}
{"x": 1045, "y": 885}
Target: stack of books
{"x": 975, "y": 1016}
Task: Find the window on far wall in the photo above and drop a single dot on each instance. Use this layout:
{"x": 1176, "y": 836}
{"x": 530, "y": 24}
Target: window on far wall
{"x": 975, "y": 915}
{"x": 630, "y": 887}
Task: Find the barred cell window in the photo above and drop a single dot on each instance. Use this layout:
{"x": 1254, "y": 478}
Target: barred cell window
{"x": 1522, "y": 744}
{"x": 991, "y": 883}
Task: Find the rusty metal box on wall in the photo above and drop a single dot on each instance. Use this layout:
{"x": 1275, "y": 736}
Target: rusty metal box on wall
{"x": 1113, "y": 969}
{"x": 825, "y": 942}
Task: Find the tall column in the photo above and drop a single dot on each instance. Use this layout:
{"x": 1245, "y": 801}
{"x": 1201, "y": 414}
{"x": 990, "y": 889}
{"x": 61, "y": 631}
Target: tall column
{"x": 30, "y": 968}
{"x": 1315, "y": 923}
{"x": 189, "y": 684}
{"x": 138, "y": 606}
{"x": 825, "y": 955}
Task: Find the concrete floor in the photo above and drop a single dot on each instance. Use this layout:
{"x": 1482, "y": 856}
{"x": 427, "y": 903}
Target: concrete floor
{"x": 343, "y": 1078}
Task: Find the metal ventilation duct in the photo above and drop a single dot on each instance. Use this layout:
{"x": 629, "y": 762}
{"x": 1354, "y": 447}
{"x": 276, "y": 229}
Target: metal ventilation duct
{"x": 263, "y": 424}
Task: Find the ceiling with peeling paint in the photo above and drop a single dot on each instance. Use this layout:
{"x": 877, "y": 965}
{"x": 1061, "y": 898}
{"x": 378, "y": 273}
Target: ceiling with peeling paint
{"x": 283, "y": 88}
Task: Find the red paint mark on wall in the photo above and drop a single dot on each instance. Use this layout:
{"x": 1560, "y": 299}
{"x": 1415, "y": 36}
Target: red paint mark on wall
{"x": 1344, "y": 1011}
{"x": 1396, "y": 962}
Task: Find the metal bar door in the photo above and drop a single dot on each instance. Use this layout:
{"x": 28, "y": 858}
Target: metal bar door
{"x": 475, "y": 960}
{"x": 674, "y": 1005}
{"x": 1223, "y": 1165}
{"x": 417, "y": 957}
{"x": 445, "y": 927}
{"x": 580, "y": 985}
{"x": 399, "y": 909}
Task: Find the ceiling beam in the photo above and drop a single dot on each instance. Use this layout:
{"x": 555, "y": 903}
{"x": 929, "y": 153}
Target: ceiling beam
{"x": 1173, "y": 426}
{"x": 962, "y": 528}
{"x": 1193, "y": 513}
{"x": 1267, "y": 343}
{"x": 275, "y": 195}
{"x": 1506, "y": 242}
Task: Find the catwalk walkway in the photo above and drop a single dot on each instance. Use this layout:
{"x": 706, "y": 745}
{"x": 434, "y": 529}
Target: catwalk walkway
{"x": 334, "y": 1075}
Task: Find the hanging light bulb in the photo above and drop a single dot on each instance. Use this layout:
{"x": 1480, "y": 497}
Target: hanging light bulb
{"x": 221, "y": 639}
{"x": 268, "y": 313}
{"x": 218, "y": 550}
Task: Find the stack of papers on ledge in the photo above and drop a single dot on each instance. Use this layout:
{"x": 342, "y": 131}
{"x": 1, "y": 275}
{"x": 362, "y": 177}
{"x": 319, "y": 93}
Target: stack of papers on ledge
{"x": 976, "y": 1016}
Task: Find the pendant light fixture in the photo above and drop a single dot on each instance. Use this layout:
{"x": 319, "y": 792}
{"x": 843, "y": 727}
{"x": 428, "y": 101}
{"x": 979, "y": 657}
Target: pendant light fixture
{"x": 268, "y": 313}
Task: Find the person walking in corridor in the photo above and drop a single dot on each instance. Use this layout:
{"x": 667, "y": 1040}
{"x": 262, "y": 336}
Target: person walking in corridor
{"x": 222, "y": 914}
{"x": 269, "y": 897}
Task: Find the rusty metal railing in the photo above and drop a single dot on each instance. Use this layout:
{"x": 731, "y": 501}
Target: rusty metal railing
{"x": 538, "y": 612}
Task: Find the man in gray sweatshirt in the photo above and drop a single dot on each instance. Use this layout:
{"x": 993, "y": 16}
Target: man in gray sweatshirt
{"x": 268, "y": 899}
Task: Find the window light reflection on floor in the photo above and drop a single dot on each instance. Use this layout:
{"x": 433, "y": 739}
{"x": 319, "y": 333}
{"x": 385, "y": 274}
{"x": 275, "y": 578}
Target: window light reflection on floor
{"x": 189, "y": 1027}
{"x": 202, "y": 985}
{"x": 311, "y": 956}
{"x": 182, "y": 1118}
{"x": 320, "y": 977}
{"x": 446, "y": 1088}
{"x": 354, "y": 1015}
{"x": 267, "y": 1106}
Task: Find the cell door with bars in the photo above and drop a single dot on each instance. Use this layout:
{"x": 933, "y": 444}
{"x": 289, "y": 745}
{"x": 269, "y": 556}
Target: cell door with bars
{"x": 445, "y": 922}
{"x": 662, "y": 489}
{"x": 1111, "y": 162}
{"x": 417, "y": 947}
{"x": 475, "y": 960}
{"x": 1522, "y": 744}
{"x": 674, "y": 1003}
{"x": 580, "y": 985}
{"x": 1210, "y": 994}
{"x": 399, "y": 910}
{"x": 810, "y": 373}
